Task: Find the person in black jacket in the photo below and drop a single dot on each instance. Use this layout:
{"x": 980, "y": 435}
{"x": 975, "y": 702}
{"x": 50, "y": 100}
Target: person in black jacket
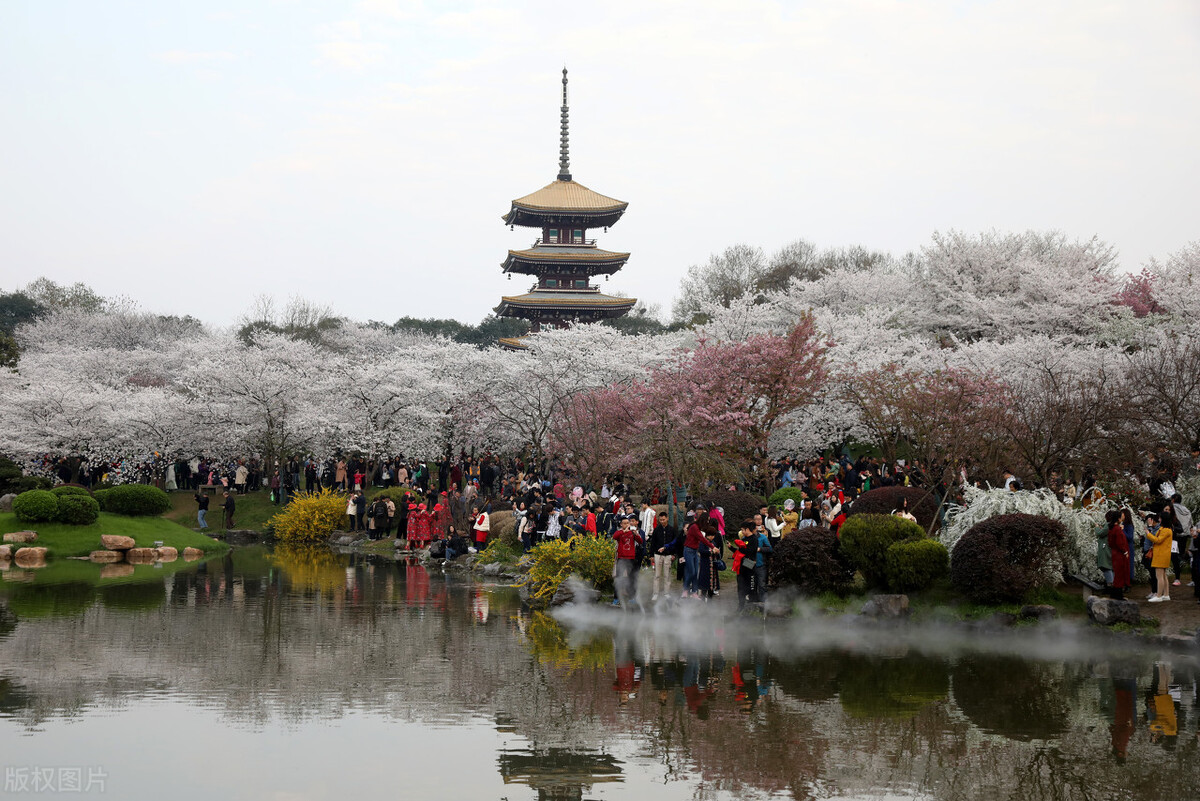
{"x": 201, "y": 509}
{"x": 746, "y": 544}
{"x": 665, "y": 544}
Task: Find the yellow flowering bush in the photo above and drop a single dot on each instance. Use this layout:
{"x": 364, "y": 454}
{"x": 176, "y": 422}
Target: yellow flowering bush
{"x": 551, "y": 562}
{"x": 310, "y": 517}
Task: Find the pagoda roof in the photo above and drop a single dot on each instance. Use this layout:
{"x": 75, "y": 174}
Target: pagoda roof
{"x": 565, "y": 201}
{"x": 565, "y": 299}
{"x": 541, "y": 256}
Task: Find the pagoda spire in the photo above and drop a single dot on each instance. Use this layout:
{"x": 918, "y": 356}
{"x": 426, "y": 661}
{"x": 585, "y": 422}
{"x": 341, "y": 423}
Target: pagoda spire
{"x": 564, "y": 148}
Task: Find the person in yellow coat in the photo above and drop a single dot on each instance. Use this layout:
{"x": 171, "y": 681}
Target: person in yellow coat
{"x": 1160, "y": 557}
{"x": 790, "y": 518}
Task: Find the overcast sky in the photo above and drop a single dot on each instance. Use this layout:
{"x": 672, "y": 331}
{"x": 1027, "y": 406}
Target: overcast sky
{"x": 195, "y": 155}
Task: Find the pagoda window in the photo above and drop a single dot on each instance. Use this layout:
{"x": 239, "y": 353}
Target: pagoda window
{"x": 552, "y": 235}
{"x": 552, "y": 283}
{"x": 581, "y": 283}
{"x": 577, "y": 236}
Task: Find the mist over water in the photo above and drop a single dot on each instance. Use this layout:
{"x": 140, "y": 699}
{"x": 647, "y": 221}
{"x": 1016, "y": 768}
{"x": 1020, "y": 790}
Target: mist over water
{"x": 712, "y": 626}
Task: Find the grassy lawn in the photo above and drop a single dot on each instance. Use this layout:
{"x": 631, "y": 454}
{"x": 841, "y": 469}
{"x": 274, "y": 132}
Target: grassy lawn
{"x": 63, "y": 540}
{"x": 252, "y": 512}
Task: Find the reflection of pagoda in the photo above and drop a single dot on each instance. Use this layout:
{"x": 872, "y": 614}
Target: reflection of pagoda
{"x": 559, "y": 774}
{"x": 563, "y": 259}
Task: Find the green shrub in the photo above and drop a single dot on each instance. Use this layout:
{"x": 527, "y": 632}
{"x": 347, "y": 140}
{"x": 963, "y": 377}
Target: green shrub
{"x": 780, "y": 495}
{"x": 70, "y": 489}
{"x": 136, "y": 500}
{"x": 865, "y": 540}
{"x": 27, "y": 483}
{"x": 738, "y": 506}
{"x": 78, "y": 510}
{"x": 498, "y": 551}
{"x": 811, "y": 560}
{"x": 1003, "y": 558}
{"x": 922, "y": 504}
{"x": 35, "y": 506}
{"x": 100, "y": 495}
{"x": 10, "y": 473}
{"x": 915, "y": 564}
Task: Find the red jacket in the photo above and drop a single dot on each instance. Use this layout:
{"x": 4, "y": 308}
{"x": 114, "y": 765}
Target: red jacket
{"x": 627, "y": 542}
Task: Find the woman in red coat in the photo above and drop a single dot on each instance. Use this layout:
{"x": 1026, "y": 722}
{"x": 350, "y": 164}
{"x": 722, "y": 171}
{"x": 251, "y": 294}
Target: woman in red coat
{"x": 1118, "y": 546}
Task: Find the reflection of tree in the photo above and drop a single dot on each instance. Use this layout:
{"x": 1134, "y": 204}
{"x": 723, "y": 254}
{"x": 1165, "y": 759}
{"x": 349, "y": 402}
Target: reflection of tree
{"x": 50, "y": 600}
{"x": 1013, "y": 697}
{"x": 134, "y": 597}
{"x": 312, "y": 567}
{"x": 548, "y": 641}
{"x": 810, "y": 678}
{"x": 872, "y": 687}
{"x": 559, "y": 773}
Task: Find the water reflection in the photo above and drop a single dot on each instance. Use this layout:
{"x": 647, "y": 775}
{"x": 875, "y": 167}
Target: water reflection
{"x": 322, "y": 649}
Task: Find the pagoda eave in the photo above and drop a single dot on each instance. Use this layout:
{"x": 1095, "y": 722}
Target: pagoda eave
{"x": 546, "y": 260}
{"x": 564, "y": 218}
{"x": 592, "y": 304}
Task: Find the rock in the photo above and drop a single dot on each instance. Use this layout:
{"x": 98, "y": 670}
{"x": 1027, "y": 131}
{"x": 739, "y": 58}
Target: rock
{"x": 106, "y": 557}
{"x": 167, "y": 554}
{"x": 886, "y": 606}
{"x": 6, "y": 502}
{"x": 19, "y": 537}
{"x": 5, "y": 552}
{"x": 491, "y": 570}
{"x": 30, "y": 557}
{"x": 192, "y": 554}
{"x": 116, "y": 542}
{"x": 242, "y": 536}
{"x": 1039, "y": 612}
{"x": 119, "y": 570}
{"x": 1107, "y": 611}
{"x": 341, "y": 539}
{"x": 141, "y": 556}
{"x": 574, "y": 591}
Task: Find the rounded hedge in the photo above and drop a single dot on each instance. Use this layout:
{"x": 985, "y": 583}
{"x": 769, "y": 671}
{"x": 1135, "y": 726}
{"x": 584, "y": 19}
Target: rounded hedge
{"x": 27, "y": 483}
{"x": 780, "y": 495}
{"x": 35, "y": 506}
{"x": 136, "y": 500}
{"x": 922, "y": 504}
{"x": 915, "y": 564}
{"x": 78, "y": 510}
{"x": 865, "y": 540}
{"x": 738, "y": 506}
{"x": 811, "y": 560}
{"x": 99, "y": 495}
{"x": 1003, "y": 558}
{"x": 70, "y": 489}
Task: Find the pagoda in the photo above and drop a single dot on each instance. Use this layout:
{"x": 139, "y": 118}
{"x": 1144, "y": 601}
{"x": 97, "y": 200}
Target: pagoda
{"x": 563, "y": 259}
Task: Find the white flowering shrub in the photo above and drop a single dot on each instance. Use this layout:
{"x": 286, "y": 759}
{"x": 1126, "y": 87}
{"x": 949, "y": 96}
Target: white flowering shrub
{"x": 1077, "y": 556}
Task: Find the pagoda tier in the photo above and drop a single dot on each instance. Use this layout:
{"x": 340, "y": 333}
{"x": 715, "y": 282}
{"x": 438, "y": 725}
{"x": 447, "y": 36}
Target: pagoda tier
{"x": 565, "y": 261}
{"x": 565, "y": 204}
{"x": 556, "y": 308}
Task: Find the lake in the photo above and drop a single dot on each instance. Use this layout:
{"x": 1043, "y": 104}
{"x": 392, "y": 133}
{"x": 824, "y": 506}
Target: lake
{"x": 315, "y": 675}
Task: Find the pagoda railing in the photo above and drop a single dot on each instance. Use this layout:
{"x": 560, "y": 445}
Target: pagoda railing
{"x": 589, "y": 243}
